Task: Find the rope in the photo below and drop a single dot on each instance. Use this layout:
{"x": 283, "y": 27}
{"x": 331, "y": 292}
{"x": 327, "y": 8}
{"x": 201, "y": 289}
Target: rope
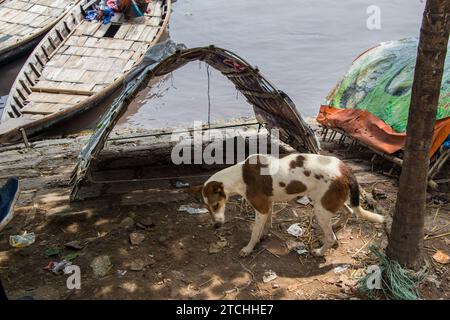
{"x": 396, "y": 282}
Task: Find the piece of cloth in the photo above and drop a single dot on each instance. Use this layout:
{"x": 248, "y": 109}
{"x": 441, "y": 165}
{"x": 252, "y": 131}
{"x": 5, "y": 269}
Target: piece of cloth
{"x": 91, "y": 15}
{"x": 371, "y": 130}
{"x": 113, "y": 5}
{"x": 8, "y": 197}
{"x": 105, "y": 15}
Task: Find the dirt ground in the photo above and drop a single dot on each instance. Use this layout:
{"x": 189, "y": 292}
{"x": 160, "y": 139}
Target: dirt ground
{"x": 182, "y": 256}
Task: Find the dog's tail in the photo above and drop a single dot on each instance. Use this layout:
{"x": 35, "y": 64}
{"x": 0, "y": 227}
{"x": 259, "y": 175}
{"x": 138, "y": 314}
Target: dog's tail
{"x": 354, "y": 202}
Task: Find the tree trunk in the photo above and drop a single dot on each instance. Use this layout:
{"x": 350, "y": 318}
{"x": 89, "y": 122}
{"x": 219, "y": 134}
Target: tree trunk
{"x": 406, "y": 237}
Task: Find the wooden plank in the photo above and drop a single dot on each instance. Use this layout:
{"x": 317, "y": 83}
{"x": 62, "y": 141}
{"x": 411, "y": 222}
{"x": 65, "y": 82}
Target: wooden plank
{"x": 65, "y": 85}
{"x": 62, "y": 91}
{"x": 122, "y": 32}
{"x": 62, "y": 74}
{"x": 96, "y": 77}
{"x": 87, "y": 28}
{"x": 74, "y": 62}
{"x": 44, "y": 108}
{"x": 102, "y": 30}
{"x": 58, "y": 60}
{"x": 145, "y": 34}
{"x": 56, "y": 98}
{"x": 69, "y": 74}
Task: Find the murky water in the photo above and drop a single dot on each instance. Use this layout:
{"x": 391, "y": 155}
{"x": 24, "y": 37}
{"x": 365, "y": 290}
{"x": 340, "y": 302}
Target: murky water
{"x": 302, "y": 46}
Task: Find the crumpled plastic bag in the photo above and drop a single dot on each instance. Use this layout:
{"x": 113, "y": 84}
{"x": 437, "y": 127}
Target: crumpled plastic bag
{"x": 22, "y": 241}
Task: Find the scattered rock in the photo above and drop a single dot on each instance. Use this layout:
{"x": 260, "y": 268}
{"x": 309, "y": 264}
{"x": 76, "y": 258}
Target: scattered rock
{"x": 127, "y": 223}
{"x": 137, "y": 265}
{"x": 76, "y": 245}
{"x": 275, "y": 285}
{"x": 162, "y": 240}
{"x": 146, "y": 222}
{"x": 218, "y": 246}
{"x": 269, "y": 275}
{"x": 441, "y": 257}
{"x": 101, "y": 266}
{"x": 178, "y": 275}
{"x": 136, "y": 238}
{"x": 151, "y": 261}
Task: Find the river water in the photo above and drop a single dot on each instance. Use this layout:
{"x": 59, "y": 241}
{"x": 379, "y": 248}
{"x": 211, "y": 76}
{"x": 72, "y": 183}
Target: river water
{"x": 302, "y": 46}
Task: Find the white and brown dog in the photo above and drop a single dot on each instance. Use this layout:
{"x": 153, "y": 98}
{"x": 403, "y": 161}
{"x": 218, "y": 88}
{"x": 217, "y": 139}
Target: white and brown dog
{"x": 263, "y": 179}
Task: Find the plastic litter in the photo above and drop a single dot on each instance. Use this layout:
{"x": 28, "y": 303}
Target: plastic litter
{"x": 340, "y": 269}
{"x": 71, "y": 256}
{"x": 192, "y": 210}
{"x": 22, "y": 241}
{"x": 269, "y": 275}
{"x": 295, "y": 230}
{"x": 303, "y": 200}
{"x": 181, "y": 184}
{"x": 301, "y": 251}
{"x": 121, "y": 273}
{"x": 58, "y": 267}
{"x": 50, "y": 252}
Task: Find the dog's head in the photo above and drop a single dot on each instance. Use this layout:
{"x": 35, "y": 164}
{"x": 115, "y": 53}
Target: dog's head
{"x": 214, "y": 199}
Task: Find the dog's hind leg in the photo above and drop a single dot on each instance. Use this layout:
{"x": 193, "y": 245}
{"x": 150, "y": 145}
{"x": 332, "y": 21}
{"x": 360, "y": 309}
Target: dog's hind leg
{"x": 323, "y": 218}
{"x": 343, "y": 218}
{"x": 258, "y": 229}
{"x": 268, "y": 225}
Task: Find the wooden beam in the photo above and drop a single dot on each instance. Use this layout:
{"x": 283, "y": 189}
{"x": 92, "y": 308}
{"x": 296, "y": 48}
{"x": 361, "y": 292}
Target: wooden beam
{"x": 63, "y": 91}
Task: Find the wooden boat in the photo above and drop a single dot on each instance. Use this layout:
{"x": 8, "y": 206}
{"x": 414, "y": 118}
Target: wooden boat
{"x": 76, "y": 65}
{"x": 24, "y": 22}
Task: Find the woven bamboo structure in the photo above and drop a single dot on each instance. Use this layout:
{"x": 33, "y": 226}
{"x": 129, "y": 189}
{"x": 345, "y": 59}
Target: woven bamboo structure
{"x": 272, "y": 107}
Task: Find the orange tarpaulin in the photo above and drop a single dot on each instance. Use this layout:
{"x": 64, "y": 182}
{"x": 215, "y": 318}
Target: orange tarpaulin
{"x": 365, "y": 127}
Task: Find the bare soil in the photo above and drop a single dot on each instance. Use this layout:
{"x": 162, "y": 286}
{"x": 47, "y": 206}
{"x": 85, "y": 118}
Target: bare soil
{"x": 174, "y": 260}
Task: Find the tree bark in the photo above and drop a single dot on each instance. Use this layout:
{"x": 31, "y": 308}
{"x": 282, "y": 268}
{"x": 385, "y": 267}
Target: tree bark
{"x": 406, "y": 237}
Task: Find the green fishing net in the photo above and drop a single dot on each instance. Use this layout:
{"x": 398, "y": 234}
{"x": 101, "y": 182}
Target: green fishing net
{"x": 396, "y": 282}
{"x": 380, "y": 82}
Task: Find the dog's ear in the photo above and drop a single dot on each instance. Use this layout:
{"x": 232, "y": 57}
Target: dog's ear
{"x": 197, "y": 189}
{"x": 218, "y": 189}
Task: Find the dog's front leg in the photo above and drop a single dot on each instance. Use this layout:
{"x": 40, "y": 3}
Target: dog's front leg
{"x": 258, "y": 228}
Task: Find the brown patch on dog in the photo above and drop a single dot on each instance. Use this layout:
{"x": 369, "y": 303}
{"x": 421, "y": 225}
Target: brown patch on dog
{"x": 282, "y": 184}
{"x": 318, "y": 176}
{"x": 297, "y": 163}
{"x": 295, "y": 187}
{"x": 215, "y": 194}
{"x": 338, "y": 191}
{"x": 259, "y": 187}
{"x": 307, "y": 173}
